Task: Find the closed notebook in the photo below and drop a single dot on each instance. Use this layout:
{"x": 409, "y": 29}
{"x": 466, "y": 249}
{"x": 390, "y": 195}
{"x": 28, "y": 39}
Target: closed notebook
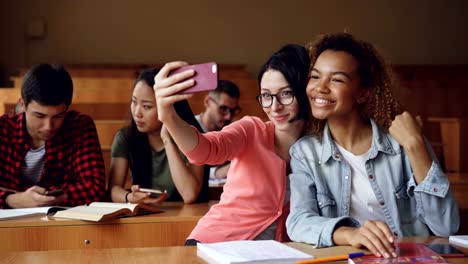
{"x": 407, "y": 253}
{"x": 100, "y": 211}
{"x": 6, "y": 214}
{"x": 250, "y": 251}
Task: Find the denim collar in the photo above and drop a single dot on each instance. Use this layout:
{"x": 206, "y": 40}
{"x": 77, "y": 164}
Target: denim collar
{"x": 381, "y": 141}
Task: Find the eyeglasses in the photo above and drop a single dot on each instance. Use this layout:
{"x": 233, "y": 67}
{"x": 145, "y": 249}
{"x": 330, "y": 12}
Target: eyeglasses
{"x": 223, "y": 109}
{"x": 284, "y": 98}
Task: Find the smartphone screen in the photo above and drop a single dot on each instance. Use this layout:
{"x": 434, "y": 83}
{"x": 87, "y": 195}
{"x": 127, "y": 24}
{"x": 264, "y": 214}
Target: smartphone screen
{"x": 206, "y": 77}
{"x": 446, "y": 250}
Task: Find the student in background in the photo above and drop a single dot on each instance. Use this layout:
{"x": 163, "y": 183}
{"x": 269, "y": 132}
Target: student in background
{"x": 366, "y": 174}
{"x": 147, "y": 148}
{"x": 221, "y": 105}
{"x": 255, "y": 200}
{"x": 47, "y": 146}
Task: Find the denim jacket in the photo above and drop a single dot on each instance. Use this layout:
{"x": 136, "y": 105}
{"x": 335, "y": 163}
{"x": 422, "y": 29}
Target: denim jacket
{"x": 321, "y": 190}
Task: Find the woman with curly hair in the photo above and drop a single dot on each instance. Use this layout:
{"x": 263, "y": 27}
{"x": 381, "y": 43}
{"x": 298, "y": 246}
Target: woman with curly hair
{"x": 365, "y": 174}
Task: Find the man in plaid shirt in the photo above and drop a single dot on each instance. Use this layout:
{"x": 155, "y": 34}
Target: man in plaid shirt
{"x": 48, "y": 147}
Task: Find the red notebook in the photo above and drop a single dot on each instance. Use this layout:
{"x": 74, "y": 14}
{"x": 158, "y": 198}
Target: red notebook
{"x": 407, "y": 252}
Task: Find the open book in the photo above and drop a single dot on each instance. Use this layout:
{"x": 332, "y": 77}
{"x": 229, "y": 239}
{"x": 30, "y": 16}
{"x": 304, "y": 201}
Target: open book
{"x": 100, "y": 211}
{"x": 249, "y": 251}
{"x": 6, "y": 214}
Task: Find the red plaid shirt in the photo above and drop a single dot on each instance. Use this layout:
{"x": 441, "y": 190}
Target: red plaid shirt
{"x": 73, "y": 159}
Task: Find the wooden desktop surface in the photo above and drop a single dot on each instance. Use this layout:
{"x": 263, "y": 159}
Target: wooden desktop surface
{"x": 177, "y": 254}
{"x": 169, "y": 228}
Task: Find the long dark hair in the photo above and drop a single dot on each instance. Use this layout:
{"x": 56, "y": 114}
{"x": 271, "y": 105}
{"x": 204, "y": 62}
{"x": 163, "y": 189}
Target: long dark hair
{"x": 139, "y": 147}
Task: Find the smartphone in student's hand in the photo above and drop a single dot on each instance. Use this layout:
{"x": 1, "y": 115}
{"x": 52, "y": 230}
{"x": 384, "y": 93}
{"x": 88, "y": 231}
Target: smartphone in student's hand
{"x": 153, "y": 192}
{"x": 56, "y": 192}
{"x": 206, "y": 76}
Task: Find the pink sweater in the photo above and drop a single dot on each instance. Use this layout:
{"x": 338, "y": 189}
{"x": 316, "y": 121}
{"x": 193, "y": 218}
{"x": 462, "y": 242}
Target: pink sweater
{"x": 256, "y": 184}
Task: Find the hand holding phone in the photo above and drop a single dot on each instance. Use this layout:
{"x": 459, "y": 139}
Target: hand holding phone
{"x": 56, "y": 192}
{"x": 206, "y": 77}
{"x": 153, "y": 192}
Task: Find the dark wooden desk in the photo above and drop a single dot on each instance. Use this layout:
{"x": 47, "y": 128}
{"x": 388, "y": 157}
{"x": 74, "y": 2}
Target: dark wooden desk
{"x": 169, "y": 254}
{"x": 169, "y": 228}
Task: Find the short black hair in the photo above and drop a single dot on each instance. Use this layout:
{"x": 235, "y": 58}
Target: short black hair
{"x": 293, "y": 62}
{"x": 48, "y": 85}
{"x": 228, "y": 87}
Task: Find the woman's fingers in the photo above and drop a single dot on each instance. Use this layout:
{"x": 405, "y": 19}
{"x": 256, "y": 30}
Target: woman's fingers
{"x": 167, "y": 88}
{"x": 387, "y": 237}
{"x": 386, "y": 231}
{"x": 170, "y": 66}
{"x": 139, "y": 197}
{"x": 165, "y": 91}
{"x": 377, "y": 234}
{"x": 163, "y": 80}
{"x": 156, "y": 201}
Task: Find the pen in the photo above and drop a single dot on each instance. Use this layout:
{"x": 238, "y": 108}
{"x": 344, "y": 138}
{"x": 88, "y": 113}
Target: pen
{"x": 331, "y": 258}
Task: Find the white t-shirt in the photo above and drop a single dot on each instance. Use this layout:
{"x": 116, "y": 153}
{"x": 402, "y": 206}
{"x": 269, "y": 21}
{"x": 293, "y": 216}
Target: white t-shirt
{"x": 364, "y": 205}
{"x": 34, "y": 163}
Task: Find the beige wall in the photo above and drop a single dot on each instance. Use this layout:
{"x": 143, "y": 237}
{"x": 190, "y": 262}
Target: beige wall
{"x": 235, "y": 31}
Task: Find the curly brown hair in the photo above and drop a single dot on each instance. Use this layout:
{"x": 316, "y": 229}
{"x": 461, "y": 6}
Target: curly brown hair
{"x": 382, "y": 106}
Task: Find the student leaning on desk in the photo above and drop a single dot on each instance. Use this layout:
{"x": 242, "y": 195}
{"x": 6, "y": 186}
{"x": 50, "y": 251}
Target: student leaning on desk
{"x": 254, "y": 203}
{"x": 366, "y": 174}
{"x": 48, "y": 147}
{"x": 147, "y": 148}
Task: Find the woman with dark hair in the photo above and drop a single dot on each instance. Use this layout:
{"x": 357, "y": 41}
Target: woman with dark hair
{"x": 147, "y": 148}
{"x": 255, "y": 200}
{"x": 366, "y": 174}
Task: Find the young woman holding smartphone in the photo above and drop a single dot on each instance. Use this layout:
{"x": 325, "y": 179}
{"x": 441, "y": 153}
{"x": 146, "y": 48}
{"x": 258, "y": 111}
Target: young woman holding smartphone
{"x": 255, "y": 200}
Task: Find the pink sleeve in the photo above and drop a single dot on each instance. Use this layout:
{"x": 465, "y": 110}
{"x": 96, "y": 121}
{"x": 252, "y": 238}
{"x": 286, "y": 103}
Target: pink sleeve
{"x": 219, "y": 146}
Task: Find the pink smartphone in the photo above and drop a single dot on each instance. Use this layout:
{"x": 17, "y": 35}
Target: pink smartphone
{"x": 206, "y": 77}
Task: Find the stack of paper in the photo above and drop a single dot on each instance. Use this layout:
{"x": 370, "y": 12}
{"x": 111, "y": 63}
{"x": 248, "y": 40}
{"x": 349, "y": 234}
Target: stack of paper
{"x": 6, "y": 214}
{"x": 459, "y": 240}
{"x": 248, "y": 251}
